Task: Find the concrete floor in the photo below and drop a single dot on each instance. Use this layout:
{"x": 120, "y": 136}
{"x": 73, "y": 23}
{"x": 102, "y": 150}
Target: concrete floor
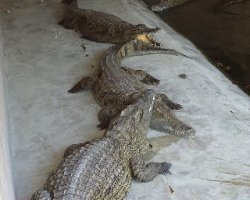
{"x": 222, "y": 37}
{"x": 6, "y": 184}
{"x": 43, "y": 61}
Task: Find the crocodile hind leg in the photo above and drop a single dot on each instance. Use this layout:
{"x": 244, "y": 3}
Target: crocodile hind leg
{"x": 87, "y": 83}
{"x": 147, "y": 172}
{"x": 142, "y": 76}
{"x": 106, "y": 114}
{"x": 165, "y": 121}
{"x": 73, "y": 147}
{"x": 41, "y": 195}
{"x": 164, "y": 99}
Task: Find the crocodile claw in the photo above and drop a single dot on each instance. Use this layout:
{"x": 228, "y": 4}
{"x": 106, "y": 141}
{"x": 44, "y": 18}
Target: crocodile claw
{"x": 174, "y": 106}
{"x": 165, "y": 168}
{"x": 75, "y": 89}
{"x": 150, "y": 80}
{"x": 101, "y": 127}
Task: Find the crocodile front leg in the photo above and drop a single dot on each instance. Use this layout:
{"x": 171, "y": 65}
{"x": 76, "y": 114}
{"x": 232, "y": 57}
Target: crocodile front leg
{"x": 143, "y": 172}
{"x": 142, "y": 76}
{"x": 41, "y": 195}
{"x": 164, "y": 120}
{"x": 106, "y": 114}
{"x": 86, "y": 83}
{"x": 164, "y": 99}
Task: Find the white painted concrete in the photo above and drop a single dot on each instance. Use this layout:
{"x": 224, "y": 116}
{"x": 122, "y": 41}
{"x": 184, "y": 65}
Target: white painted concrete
{"x": 44, "y": 61}
{"x": 6, "y": 184}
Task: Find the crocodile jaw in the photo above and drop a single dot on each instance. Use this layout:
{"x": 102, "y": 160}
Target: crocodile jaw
{"x": 147, "y": 39}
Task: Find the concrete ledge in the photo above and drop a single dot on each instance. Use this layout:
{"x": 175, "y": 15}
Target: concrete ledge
{"x": 6, "y": 184}
{"x": 43, "y": 61}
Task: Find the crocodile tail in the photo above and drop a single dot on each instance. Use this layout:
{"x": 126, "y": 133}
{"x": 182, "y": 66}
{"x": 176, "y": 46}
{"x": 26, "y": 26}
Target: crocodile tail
{"x": 141, "y": 48}
{"x": 158, "y": 50}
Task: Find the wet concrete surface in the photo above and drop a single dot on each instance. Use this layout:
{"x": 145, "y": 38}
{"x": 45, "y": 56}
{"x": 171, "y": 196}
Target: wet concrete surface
{"x": 223, "y": 37}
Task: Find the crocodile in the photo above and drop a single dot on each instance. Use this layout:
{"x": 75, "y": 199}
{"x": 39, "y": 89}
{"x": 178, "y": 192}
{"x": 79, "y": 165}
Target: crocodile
{"x": 166, "y": 4}
{"x": 222, "y": 4}
{"x": 116, "y": 87}
{"x": 103, "y": 27}
{"x": 103, "y": 168}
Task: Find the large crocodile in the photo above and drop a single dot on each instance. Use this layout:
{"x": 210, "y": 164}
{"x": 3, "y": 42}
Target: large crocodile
{"x": 102, "y": 27}
{"x": 103, "y": 168}
{"x": 166, "y": 4}
{"x": 116, "y": 87}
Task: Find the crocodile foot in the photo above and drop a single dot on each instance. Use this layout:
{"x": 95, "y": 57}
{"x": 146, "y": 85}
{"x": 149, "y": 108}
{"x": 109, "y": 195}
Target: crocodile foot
{"x": 86, "y": 83}
{"x": 142, "y": 76}
{"x": 174, "y": 106}
{"x": 150, "y": 80}
{"x": 164, "y": 99}
{"x": 147, "y": 172}
{"x": 165, "y": 167}
{"x": 41, "y": 195}
{"x": 101, "y": 126}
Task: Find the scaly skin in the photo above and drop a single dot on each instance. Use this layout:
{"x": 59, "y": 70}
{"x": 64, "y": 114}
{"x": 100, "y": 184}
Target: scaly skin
{"x": 116, "y": 87}
{"x": 166, "y": 4}
{"x": 102, "y": 27}
{"x": 222, "y": 4}
{"x": 103, "y": 168}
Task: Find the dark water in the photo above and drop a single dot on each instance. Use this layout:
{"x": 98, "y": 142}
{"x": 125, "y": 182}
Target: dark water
{"x": 223, "y": 37}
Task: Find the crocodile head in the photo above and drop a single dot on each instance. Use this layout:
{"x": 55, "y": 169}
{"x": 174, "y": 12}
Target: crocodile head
{"x": 130, "y": 127}
{"x": 143, "y": 33}
{"x": 136, "y": 114}
{"x": 165, "y": 121}
{"x": 143, "y": 29}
